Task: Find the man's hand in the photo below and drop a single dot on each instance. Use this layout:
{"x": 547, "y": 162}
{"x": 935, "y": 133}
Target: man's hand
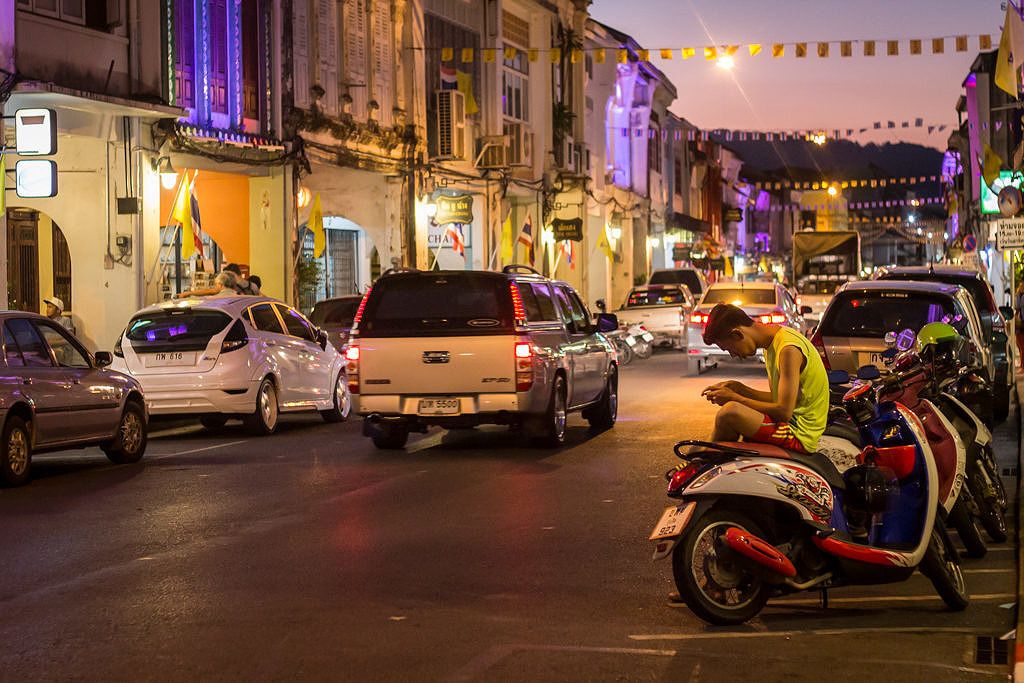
{"x": 719, "y": 395}
{"x": 727, "y": 384}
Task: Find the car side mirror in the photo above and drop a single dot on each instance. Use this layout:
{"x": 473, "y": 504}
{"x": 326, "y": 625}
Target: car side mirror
{"x": 607, "y": 322}
{"x": 321, "y": 339}
{"x": 1006, "y": 312}
{"x": 103, "y": 359}
{"x": 805, "y": 310}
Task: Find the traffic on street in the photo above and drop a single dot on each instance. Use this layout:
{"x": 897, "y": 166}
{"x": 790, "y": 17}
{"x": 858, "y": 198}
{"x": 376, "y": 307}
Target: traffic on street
{"x": 511, "y": 340}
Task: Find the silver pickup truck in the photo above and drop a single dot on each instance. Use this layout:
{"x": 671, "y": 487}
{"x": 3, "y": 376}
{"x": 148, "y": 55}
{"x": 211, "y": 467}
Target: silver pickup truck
{"x": 465, "y": 348}
{"x": 662, "y": 309}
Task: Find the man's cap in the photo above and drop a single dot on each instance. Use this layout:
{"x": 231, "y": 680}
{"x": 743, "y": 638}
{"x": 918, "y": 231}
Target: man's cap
{"x": 56, "y": 302}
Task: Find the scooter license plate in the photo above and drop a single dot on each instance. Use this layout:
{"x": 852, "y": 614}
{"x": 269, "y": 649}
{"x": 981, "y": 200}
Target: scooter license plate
{"x": 647, "y": 337}
{"x": 673, "y": 521}
{"x": 631, "y": 341}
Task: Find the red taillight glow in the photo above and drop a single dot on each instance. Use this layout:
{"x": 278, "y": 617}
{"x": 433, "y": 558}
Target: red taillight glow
{"x": 524, "y": 366}
{"x": 682, "y": 477}
{"x": 517, "y": 303}
{"x": 772, "y": 318}
{"x": 699, "y": 318}
{"x": 362, "y": 307}
{"x": 819, "y": 344}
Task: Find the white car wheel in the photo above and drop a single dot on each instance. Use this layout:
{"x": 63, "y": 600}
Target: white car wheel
{"x": 264, "y": 418}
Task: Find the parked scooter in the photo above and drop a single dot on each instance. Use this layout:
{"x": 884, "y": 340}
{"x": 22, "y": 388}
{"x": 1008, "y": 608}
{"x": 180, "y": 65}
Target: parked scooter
{"x": 642, "y": 341}
{"x": 755, "y": 520}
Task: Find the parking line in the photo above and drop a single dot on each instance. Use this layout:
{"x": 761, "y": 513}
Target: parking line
{"x": 198, "y": 450}
{"x": 886, "y": 598}
{"x": 812, "y": 632}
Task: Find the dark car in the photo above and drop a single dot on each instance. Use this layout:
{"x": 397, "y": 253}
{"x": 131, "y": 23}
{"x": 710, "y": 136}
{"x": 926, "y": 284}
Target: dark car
{"x": 335, "y": 316}
{"x": 992, "y": 323}
{"x": 56, "y": 395}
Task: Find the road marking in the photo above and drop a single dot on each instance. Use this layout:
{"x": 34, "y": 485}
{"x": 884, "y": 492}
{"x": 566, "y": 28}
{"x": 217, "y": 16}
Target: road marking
{"x": 989, "y": 571}
{"x": 397, "y": 618}
{"x": 491, "y": 657}
{"x": 885, "y": 598}
{"x": 198, "y": 450}
{"x": 729, "y": 635}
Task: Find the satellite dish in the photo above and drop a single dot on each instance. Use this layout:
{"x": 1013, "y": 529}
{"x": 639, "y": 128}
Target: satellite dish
{"x": 1010, "y": 201}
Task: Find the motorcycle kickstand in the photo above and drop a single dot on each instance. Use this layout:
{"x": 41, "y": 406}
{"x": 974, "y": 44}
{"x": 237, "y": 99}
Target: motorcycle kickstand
{"x": 823, "y": 595}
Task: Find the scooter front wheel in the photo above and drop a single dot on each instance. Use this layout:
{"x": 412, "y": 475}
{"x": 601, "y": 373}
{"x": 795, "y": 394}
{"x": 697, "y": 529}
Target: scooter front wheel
{"x": 717, "y": 584}
{"x": 942, "y": 566}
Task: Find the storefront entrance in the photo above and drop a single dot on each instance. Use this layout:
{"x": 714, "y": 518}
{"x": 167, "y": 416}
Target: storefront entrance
{"x": 38, "y": 261}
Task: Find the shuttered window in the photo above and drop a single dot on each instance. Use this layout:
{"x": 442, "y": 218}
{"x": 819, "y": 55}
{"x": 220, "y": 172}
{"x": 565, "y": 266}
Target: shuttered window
{"x": 354, "y": 19}
{"x": 327, "y": 54}
{"x": 383, "y": 59}
{"x": 219, "y": 56}
{"x": 252, "y": 36}
{"x": 184, "y": 53}
{"x": 300, "y": 52}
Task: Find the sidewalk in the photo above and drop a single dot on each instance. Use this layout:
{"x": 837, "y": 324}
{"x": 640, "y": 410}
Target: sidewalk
{"x": 1009, "y": 441}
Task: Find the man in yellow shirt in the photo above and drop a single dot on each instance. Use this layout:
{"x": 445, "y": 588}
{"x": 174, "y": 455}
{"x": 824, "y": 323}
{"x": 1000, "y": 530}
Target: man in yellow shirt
{"x": 794, "y": 412}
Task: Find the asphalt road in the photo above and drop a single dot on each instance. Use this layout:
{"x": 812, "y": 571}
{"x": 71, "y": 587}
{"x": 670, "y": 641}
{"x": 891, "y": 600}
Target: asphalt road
{"x": 469, "y": 556}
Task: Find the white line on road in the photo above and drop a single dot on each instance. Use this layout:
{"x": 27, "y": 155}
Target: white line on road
{"x": 199, "y": 450}
{"x": 989, "y": 571}
{"x": 885, "y": 598}
{"x": 724, "y": 635}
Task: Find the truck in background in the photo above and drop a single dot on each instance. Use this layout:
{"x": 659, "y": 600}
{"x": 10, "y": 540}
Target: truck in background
{"x": 822, "y": 263}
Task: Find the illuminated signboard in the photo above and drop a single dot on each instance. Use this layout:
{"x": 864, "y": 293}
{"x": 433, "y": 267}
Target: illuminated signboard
{"x": 36, "y": 178}
{"x": 35, "y": 131}
{"x": 990, "y": 196}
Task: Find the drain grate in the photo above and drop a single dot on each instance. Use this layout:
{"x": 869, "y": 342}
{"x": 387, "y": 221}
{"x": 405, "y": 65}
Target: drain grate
{"x": 991, "y": 650}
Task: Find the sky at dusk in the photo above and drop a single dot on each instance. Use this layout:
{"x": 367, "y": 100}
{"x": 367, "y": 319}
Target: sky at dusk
{"x": 762, "y": 93}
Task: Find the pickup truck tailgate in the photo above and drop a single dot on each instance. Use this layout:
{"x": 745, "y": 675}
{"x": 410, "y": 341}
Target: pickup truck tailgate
{"x": 660, "y": 318}
{"x": 437, "y": 365}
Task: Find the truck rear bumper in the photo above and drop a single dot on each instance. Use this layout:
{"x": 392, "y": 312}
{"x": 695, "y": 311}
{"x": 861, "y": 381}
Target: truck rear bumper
{"x": 408, "y": 406}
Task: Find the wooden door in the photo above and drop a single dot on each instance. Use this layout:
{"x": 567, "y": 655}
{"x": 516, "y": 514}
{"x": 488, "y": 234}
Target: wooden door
{"x": 23, "y": 260}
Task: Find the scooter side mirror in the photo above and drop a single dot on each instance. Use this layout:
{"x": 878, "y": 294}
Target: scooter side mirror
{"x": 890, "y": 339}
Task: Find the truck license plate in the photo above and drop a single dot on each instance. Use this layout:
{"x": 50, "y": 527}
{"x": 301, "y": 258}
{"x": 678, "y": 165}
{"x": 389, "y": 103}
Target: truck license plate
{"x": 673, "y": 521}
{"x": 438, "y": 406}
{"x": 173, "y": 358}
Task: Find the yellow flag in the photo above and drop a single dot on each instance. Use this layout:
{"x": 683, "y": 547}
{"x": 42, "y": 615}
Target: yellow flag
{"x": 315, "y": 224}
{"x": 605, "y": 245}
{"x": 869, "y": 48}
{"x": 1011, "y": 52}
{"x": 623, "y": 56}
{"x": 533, "y": 54}
{"x": 892, "y": 48}
{"x": 985, "y": 42}
{"x": 643, "y": 55}
{"x": 823, "y": 49}
{"x": 464, "y": 79}
{"x": 754, "y": 49}
{"x": 182, "y": 212}
{"x": 778, "y": 50}
{"x": 447, "y": 54}
{"x": 666, "y": 54}
{"x": 489, "y": 55}
{"x": 576, "y": 56}
{"x": 466, "y": 55}
{"x": 915, "y": 46}
{"x": 688, "y": 52}
{"x": 728, "y": 267}
{"x": 801, "y": 49}
{"x": 508, "y": 240}
{"x": 599, "y": 55}
{"x": 710, "y": 53}
{"x": 510, "y": 52}
{"x": 938, "y": 46}
{"x": 556, "y": 55}
{"x": 846, "y": 48}
{"x": 990, "y": 166}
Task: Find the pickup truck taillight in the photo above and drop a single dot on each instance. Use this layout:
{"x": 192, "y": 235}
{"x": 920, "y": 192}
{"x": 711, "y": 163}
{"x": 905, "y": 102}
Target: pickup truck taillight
{"x": 775, "y": 318}
{"x": 352, "y": 365}
{"x": 524, "y": 366}
{"x": 699, "y": 318}
{"x": 819, "y": 344}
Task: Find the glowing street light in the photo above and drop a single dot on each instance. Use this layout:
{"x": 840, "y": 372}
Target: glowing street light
{"x": 832, "y": 191}
{"x": 725, "y": 62}
{"x": 819, "y": 139}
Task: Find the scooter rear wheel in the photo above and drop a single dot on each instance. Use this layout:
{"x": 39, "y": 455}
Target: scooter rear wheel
{"x": 942, "y": 566}
{"x": 719, "y": 586}
{"x": 961, "y": 519}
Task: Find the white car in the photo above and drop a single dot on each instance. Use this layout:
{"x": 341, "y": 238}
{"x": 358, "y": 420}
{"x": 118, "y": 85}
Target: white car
{"x": 233, "y": 357}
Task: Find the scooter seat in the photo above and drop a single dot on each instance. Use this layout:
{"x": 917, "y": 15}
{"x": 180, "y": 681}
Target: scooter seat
{"x": 844, "y": 431}
{"x": 816, "y": 461}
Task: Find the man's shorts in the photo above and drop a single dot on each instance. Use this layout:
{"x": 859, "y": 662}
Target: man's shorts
{"x": 778, "y": 434}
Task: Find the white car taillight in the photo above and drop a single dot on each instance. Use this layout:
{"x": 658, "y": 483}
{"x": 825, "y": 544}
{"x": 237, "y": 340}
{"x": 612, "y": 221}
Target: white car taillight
{"x": 352, "y": 365}
{"x": 235, "y": 339}
{"x": 524, "y": 366}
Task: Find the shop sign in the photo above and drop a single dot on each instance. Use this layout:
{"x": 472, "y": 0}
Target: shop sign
{"x": 440, "y": 236}
{"x": 732, "y": 215}
{"x": 568, "y": 229}
{"x": 36, "y": 178}
{"x": 35, "y": 132}
{"x": 457, "y": 209}
{"x": 680, "y": 252}
{"x": 1009, "y": 233}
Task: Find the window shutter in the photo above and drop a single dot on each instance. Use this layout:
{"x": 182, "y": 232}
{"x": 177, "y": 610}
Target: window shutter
{"x": 184, "y": 54}
{"x": 383, "y": 59}
{"x": 355, "y": 54}
{"x": 300, "y": 52}
{"x": 327, "y": 52}
{"x": 219, "y": 56}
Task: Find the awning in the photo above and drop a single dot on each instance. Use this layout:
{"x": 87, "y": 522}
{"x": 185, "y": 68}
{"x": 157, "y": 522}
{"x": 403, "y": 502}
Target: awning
{"x": 44, "y": 94}
{"x": 682, "y": 221}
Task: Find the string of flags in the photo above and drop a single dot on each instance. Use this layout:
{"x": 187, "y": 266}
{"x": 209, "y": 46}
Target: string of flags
{"x": 799, "y": 50}
{"x": 862, "y": 206}
{"x": 819, "y": 135}
{"x": 844, "y": 184}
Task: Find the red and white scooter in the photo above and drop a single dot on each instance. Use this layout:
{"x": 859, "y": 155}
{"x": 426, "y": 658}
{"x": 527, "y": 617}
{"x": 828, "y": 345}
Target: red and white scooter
{"x": 755, "y": 521}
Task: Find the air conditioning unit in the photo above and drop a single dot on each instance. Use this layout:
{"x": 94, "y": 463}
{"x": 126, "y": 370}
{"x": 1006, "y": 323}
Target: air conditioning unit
{"x": 566, "y": 159}
{"x": 584, "y": 164}
{"x": 451, "y": 124}
{"x": 520, "y": 144}
{"x": 492, "y": 152}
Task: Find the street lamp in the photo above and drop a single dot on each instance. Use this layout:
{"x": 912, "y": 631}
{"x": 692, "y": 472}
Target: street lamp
{"x": 725, "y": 62}
{"x": 832, "y": 191}
{"x": 168, "y": 176}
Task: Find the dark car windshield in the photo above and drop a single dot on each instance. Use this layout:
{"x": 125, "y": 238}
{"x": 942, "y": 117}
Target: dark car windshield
{"x": 335, "y": 312}
{"x": 872, "y": 314}
{"x": 655, "y": 297}
{"x": 814, "y": 287}
{"x": 740, "y": 296}
{"x": 438, "y": 304}
{"x": 679, "y": 277}
{"x": 178, "y": 329}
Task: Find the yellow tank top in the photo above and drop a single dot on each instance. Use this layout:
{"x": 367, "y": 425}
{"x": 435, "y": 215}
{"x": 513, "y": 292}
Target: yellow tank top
{"x": 811, "y": 411}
